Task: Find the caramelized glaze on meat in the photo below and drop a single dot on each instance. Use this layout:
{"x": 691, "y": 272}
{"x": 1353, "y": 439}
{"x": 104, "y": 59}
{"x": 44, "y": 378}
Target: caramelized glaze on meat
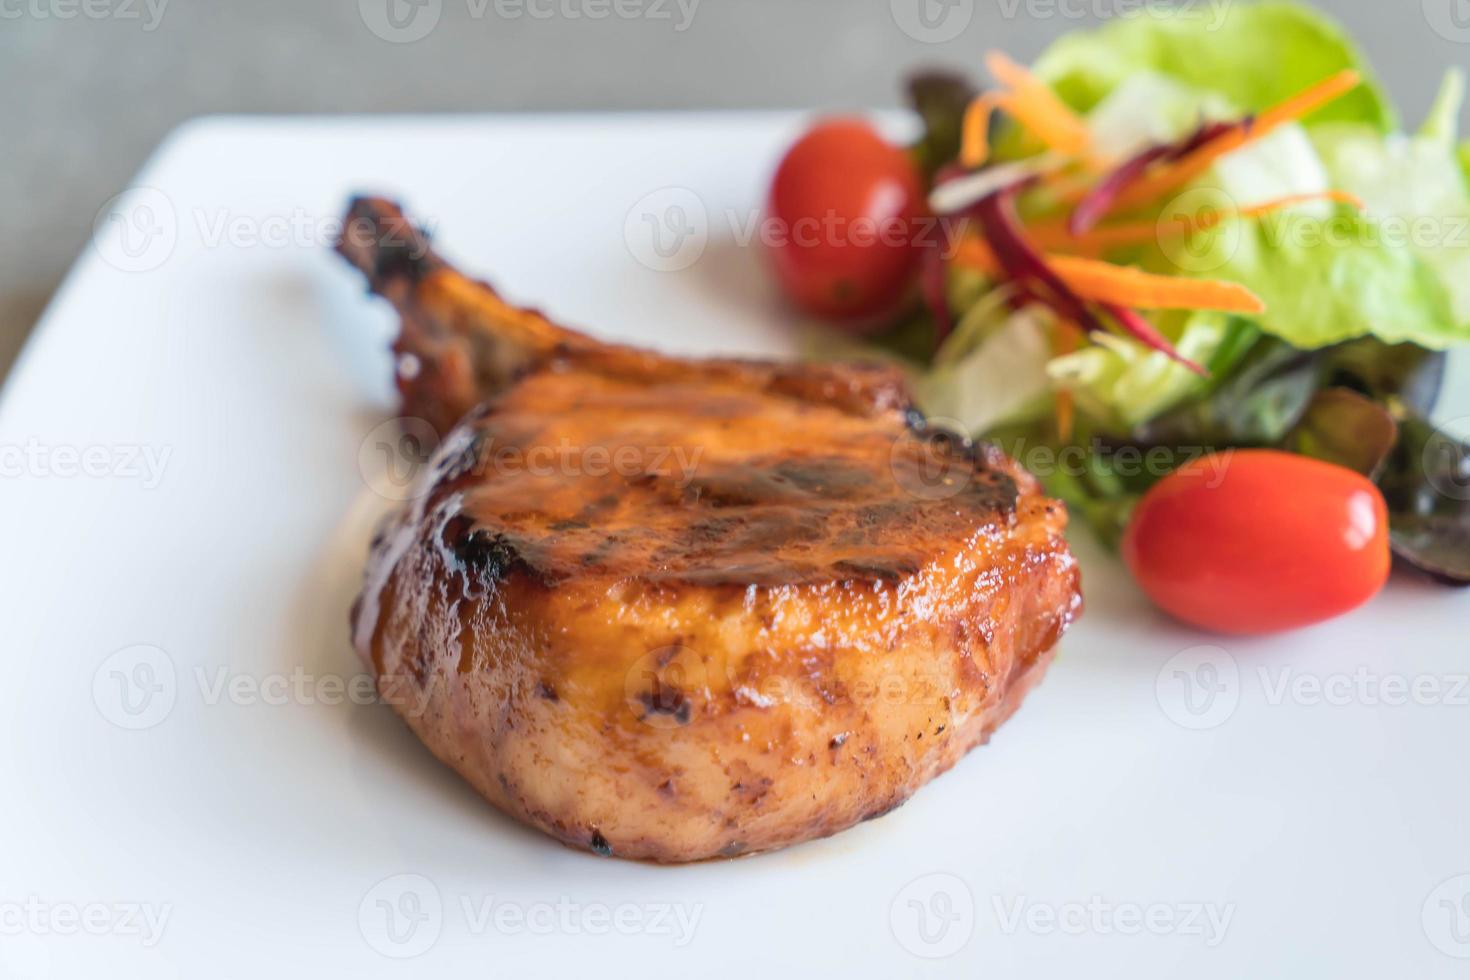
{"x": 673, "y": 609}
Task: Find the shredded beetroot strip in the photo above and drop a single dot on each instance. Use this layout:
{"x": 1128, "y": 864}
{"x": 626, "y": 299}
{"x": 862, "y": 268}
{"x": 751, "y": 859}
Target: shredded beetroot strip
{"x": 1091, "y": 209}
{"x": 1027, "y": 266}
{"x": 1024, "y": 263}
{"x": 1145, "y": 333}
{"x": 932, "y": 290}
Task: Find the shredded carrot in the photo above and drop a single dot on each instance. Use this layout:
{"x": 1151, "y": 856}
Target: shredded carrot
{"x": 973, "y": 251}
{"x": 975, "y": 134}
{"x": 1032, "y": 102}
{"x": 1181, "y": 172}
{"x": 1054, "y": 234}
{"x": 1103, "y": 282}
{"x": 1067, "y": 338}
{"x": 1124, "y": 286}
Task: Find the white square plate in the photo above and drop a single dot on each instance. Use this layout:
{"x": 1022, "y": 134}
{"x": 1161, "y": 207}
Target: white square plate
{"x": 188, "y": 790}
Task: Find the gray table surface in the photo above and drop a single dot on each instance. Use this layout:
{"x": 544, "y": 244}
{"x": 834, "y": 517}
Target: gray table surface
{"x": 89, "y": 87}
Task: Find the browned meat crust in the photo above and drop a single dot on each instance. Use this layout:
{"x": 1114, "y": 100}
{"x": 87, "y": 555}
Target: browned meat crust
{"x": 675, "y": 610}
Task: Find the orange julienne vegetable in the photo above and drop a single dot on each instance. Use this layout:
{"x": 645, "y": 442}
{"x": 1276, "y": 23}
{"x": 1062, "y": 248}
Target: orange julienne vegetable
{"x": 1054, "y": 234}
{"x": 1103, "y": 282}
{"x": 1124, "y": 286}
{"x": 1037, "y": 107}
{"x": 1177, "y": 174}
{"x": 1068, "y": 338}
{"x": 975, "y": 134}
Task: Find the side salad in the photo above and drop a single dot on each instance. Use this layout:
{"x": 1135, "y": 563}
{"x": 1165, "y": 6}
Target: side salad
{"x": 1168, "y": 238}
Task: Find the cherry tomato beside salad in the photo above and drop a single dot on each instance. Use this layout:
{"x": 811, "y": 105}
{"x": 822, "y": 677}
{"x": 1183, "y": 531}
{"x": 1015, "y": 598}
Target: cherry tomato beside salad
{"x": 1258, "y": 541}
{"x": 842, "y": 221}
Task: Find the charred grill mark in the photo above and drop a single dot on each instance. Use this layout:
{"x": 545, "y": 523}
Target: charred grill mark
{"x": 947, "y": 440}
{"x": 860, "y": 511}
{"x": 487, "y": 557}
{"x": 490, "y": 554}
{"x": 780, "y": 481}
{"x": 995, "y": 489}
{"x": 546, "y": 692}
{"x": 600, "y": 551}
{"x": 884, "y": 568}
{"x": 830, "y": 477}
{"x": 599, "y": 844}
{"x": 590, "y": 512}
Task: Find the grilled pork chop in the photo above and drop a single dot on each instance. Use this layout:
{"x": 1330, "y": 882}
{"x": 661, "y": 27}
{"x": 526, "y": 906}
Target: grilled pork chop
{"x": 678, "y": 609}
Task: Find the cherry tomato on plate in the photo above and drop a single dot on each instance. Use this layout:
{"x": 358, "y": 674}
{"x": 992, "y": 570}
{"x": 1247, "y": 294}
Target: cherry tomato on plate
{"x": 842, "y": 221}
{"x": 1258, "y": 541}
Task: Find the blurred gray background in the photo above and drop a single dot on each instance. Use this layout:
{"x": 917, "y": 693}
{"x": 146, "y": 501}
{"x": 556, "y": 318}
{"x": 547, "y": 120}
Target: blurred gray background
{"x": 91, "y": 86}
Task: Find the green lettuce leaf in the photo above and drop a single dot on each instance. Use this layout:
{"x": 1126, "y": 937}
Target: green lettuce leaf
{"x": 1253, "y": 55}
{"x": 992, "y": 375}
{"x": 1316, "y": 294}
{"x": 1121, "y": 384}
{"x": 1399, "y": 270}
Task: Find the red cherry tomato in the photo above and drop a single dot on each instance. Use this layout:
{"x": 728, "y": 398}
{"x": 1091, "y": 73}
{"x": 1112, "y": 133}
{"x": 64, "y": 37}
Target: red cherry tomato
{"x": 1257, "y": 541}
{"x": 843, "y": 221}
